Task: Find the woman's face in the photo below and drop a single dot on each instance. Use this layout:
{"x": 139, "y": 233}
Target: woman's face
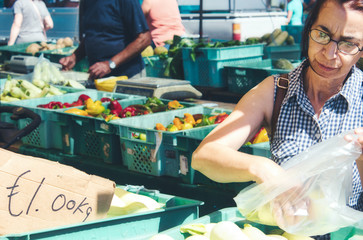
{"x": 339, "y": 23}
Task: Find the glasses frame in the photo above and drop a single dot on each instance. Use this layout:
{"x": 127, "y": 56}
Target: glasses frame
{"x": 337, "y": 42}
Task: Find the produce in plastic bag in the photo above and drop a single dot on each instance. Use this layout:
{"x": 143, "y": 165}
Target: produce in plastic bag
{"x": 310, "y": 197}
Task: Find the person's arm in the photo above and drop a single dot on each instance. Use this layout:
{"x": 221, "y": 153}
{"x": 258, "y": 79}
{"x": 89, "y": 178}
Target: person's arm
{"x": 70, "y": 61}
{"x": 100, "y": 69}
{"x": 48, "y": 23}
{"x": 218, "y": 157}
{"x": 15, "y": 28}
{"x": 146, "y": 6}
{"x": 288, "y": 18}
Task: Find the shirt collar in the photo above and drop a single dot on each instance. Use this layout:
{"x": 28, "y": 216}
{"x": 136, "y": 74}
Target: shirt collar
{"x": 296, "y": 89}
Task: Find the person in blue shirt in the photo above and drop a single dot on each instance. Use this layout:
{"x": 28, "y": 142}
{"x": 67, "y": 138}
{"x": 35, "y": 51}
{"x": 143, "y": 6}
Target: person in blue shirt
{"x": 113, "y": 33}
{"x": 294, "y": 12}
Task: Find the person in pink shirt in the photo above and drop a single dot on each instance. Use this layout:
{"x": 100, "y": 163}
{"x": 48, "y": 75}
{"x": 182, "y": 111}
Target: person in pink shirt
{"x": 163, "y": 19}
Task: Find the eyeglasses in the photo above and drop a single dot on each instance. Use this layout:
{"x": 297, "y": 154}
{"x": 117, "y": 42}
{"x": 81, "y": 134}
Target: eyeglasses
{"x": 343, "y": 46}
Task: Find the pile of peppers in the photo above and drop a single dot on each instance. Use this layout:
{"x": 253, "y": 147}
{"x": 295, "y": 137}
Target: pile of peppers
{"x": 57, "y": 105}
{"x": 114, "y": 109}
{"x": 191, "y": 121}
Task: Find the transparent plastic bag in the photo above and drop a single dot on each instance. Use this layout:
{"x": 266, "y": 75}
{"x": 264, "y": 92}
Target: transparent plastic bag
{"x": 46, "y": 72}
{"x": 310, "y": 197}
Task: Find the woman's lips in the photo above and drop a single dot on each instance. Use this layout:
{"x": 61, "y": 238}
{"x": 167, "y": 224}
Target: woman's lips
{"x": 326, "y": 68}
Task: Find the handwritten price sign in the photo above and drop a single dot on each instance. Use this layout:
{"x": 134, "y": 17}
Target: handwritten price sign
{"x": 59, "y": 203}
{"x": 36, "y": 193}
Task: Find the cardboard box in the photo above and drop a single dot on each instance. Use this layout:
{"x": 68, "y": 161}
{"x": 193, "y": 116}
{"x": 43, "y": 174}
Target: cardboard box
{"x": 36, "y": 193}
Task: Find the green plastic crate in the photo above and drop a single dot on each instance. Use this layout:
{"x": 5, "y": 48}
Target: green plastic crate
{"x": 232, "y": 214}
{"x": 226, "y": 214}
{"x": 291, "y": 52}
{"x": 137, "y": 226}
{"x": 295, "y": 31}
{"x": 241, "y": 78}
{"x": 207, "y": 69}
{"x": 155, "y": 66}
{"x": 188, "y": 143}
{"x": 157, "y": 154}
{"x": 94, "y": 137}
{"x": 54, "y": 130}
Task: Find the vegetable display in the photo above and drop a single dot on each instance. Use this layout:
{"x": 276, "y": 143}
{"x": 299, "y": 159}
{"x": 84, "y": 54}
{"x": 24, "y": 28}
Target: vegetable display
{"x": 111, "y": 109}
{"x": 191, "y": 121}
{"x": 19, "y": 89}
{"x": 230, "y": 230}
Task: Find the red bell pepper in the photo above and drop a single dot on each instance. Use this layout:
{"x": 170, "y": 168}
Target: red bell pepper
{"x": 115, "y": 107}
{"x": 221, "y": 117}
{"x": 55, "y": 105}
{"x": 83, "y": 98}
{"x": 128, "y": 112}
{"x": 106, "y": 99}
{"x": 67, "y": 105}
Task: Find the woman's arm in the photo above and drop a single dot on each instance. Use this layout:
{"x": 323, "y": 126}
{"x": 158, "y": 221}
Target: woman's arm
{"x": 289, "y": 15}
{"x": 15, "y": 28}
{"x": 218, "y": 157}
{"x": 48, "y": 23}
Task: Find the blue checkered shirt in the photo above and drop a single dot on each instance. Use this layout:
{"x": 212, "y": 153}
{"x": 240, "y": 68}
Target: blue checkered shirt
{"x": 298, "y": 128}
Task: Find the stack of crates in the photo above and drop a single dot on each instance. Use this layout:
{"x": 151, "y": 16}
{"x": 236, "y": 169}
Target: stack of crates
{"x": 241, "y": 78}
{"x": 157, "y": 154}
{"x": 70, "y": 133}
{"x": 207, "y": 69}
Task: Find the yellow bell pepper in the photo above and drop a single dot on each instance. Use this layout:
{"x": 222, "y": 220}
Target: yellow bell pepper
{"x": 173, "y": 129}
{"x": 94, "y": 108}
{"x": 111, "y": 117}
{"x": 174, "y": 105}
{"x": 187, "y": 125}
{"x": 178, "y": 123}
{"x": 261, "y": 137}
{"x": 188, "y": 118}
{"x": 77, "y": 111}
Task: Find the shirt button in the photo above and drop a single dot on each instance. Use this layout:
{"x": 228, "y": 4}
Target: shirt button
{"x": 317, "y": 135}
{"x": 326, "y": 111}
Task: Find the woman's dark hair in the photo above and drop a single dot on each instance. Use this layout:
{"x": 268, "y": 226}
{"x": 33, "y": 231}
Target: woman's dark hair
{"x": 313, "y": 16}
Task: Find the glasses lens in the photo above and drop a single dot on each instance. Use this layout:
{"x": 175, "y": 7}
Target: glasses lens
{"x": 320, "y": 36}
{"x": 347, "y": 47}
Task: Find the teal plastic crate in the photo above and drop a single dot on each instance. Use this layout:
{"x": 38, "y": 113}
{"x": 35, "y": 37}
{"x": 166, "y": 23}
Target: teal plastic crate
{"x": 291, "y": 52}
{"x": 295, "y": 31}
{"x": 241, "y": 78}
{"x": 188, "y": 143}
{"x": 226, "y": 214}
{"x": 155, "y": 67}
{"x": 54, "y": 130}
{"x": 207, "y": 69}
{"x": 96, "y": 138}
{"x": 232, "y": 214}
{"x": 177, "y": 211}
{"x": 156, "y": 155}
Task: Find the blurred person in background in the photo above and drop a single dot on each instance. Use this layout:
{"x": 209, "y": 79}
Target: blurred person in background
{"x": 31, "y": 21}
{"x": 113, "y": 33}
{"x": 323, "y": 98}
{"x": 163, "y": 19}
{"x": 308, "y": 4}
{"x": 294, "y": 12}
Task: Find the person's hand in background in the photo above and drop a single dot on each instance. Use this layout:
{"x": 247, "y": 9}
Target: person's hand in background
{"x": 99, "y": 69}
{"x": 68, "y": 62}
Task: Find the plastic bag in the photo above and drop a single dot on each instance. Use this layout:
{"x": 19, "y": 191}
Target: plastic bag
{"x": 310, "y": 198}
{"x": 46, "y": 72}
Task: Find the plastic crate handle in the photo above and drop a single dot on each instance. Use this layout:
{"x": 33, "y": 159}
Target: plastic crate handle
{"x": 137, "y": 189}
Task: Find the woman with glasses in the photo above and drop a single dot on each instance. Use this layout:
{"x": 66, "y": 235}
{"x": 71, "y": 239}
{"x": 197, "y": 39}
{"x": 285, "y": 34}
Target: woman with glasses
{"x": 323, "y": 98}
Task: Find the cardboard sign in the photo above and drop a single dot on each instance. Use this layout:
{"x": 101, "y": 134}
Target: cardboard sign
{"x": 36, "y": 193}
